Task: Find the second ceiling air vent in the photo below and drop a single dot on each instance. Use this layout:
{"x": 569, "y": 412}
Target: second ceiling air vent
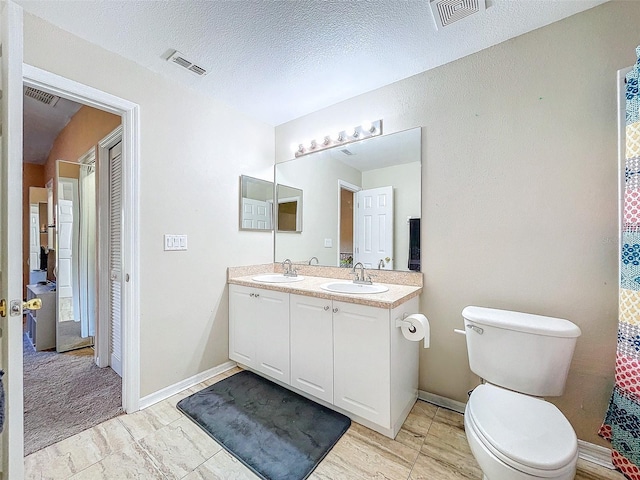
{"x": 179, "y": 59}
{"x": 445, "y": 12}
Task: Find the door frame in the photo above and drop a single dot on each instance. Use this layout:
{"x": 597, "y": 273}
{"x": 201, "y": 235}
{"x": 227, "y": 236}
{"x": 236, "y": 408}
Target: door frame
{"x": 130, "y": 114}
{"x": 11, "y": 284}
{"x": 344, "y": 185}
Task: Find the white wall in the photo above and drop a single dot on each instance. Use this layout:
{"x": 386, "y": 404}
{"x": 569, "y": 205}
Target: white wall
{"x": 193, "y": 150}
{"x": 519, "y": 190}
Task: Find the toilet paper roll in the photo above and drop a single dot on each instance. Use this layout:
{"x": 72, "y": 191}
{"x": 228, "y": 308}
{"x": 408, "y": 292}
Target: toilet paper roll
{"x": 415, "y": 327}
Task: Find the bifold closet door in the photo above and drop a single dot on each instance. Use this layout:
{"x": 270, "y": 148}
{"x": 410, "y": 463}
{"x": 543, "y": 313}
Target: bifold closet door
{"x": 115, "y": 256}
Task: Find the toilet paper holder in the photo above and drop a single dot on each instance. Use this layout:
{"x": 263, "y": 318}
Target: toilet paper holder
{"x": 401, "y": 322}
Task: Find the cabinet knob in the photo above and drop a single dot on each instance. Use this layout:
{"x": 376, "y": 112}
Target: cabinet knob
{"x": 335, "y": 310}
{"x": 257, "y": 295}
{"x": 252, "y": 294}
{"x": 326, "y": 308}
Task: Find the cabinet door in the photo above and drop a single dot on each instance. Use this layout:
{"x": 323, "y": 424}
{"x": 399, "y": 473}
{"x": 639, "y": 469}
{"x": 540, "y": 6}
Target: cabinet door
{"x": 361, "y": 361}
{"x": 271, "y": 318}
{"x": 242, "y": 322}
{"x": 312, "y": 346}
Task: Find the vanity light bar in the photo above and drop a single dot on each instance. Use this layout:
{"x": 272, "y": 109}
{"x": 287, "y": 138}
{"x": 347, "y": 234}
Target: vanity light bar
{"x": 348, "y": 135}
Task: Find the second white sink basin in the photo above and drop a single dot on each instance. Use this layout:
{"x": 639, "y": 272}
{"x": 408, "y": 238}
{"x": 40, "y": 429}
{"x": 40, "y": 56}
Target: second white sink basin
{"x": 353, "y": 288}
{"x": 276, "y": 278}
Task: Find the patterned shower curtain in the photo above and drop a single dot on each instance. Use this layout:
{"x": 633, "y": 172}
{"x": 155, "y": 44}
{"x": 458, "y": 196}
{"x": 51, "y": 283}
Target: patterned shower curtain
{"x": 622, "y": 422}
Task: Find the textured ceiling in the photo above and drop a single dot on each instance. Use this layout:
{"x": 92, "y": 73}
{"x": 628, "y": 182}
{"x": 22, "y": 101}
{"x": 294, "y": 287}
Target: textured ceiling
{"x": 279, "y": 60}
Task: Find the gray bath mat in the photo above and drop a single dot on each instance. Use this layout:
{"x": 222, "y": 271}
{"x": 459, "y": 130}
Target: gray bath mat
{"x": 278, "y": 434}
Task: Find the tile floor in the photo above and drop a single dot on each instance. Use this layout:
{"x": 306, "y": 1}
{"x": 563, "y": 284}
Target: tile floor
{"x": 161, "y": 443}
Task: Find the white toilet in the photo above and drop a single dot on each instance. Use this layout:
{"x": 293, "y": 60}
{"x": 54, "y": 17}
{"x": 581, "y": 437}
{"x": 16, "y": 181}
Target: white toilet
{"x": 512, "y": 434}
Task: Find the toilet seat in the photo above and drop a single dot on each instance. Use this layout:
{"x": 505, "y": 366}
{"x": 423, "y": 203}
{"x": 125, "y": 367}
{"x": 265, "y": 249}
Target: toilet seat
{"x": 526, "y": 433}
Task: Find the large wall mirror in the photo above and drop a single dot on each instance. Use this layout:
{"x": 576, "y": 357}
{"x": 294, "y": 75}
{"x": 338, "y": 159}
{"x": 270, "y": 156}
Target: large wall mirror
{"x": 256, "y": 204}
{"x": 76, "y": 257}
{"x": 362, "y": 204}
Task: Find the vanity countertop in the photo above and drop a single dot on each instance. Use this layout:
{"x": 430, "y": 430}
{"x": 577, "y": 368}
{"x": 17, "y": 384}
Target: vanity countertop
{"x": 310, "y": 286}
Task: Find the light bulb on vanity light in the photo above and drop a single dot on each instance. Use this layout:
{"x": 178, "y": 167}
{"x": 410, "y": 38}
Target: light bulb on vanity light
{"x": 368, "y": 127}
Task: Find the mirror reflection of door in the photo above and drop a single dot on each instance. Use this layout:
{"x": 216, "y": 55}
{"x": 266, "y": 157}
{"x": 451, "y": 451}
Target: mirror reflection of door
{"x": 75, "y": 255}
{"x": 256, "y": 204}
{"x": 374, "y": 228}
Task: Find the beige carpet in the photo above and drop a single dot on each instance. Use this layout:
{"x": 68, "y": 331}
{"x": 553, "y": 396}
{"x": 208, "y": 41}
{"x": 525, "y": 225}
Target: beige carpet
{"x": 65, "y": 394}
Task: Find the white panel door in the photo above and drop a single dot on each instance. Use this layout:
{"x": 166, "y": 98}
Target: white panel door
{"x": 11, "y": 239}
{"x": 272, "y": 334}
{"x": 312, "y": 346}
{"x": 242, "y": 320}
{"x": 361, "y": 356}
{"x": 64, "y": 275}
{"x": 34, "y": 237}
{"x": 374, "y": 227}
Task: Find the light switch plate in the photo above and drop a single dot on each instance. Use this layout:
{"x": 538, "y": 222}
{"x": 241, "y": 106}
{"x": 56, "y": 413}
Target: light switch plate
{"x": 175, "y": 242}
{"x": 328, "y": 243}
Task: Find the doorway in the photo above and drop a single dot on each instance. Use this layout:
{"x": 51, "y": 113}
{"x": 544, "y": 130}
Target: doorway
{"x": 346, "y": 220}
{"x": 65, "y": 392}
{"x": 129, "y": 112}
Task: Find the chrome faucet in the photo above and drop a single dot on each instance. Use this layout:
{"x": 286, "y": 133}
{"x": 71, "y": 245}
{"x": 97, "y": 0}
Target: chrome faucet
{"x": 289, "y": 271}
{"x": 316, "y": 259}
{"x": 361, "y": 278}
{"x": 381, "y": 264}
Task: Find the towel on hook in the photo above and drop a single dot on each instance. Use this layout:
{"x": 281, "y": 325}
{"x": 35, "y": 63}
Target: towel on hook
{"x": 414, "y": 244}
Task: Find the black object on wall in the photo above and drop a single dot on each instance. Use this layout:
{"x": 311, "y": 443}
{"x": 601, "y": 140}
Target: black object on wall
{"x": 414, "y": 244}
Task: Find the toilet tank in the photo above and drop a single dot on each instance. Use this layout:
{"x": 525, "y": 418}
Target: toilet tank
{"x": 526, "y": 353}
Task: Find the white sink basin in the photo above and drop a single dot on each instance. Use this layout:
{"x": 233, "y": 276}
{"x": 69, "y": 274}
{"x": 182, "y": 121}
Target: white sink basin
{"x": 276, "y": 278}
{"x": 353, "y": 288}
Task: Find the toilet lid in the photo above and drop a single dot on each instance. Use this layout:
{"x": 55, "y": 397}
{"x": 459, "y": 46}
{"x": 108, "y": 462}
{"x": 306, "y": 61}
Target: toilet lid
{"x": 527, "y": 430}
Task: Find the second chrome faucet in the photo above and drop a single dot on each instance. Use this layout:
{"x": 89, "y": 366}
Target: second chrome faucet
{"x": 362, "y": 279}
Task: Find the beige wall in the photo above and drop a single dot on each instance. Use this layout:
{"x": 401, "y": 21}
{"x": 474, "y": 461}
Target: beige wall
{"x": 85, "y": 129}
{"x": 193, "y": 150}
{"x": 32, "y": 176}
{"x": 519, "y": 190}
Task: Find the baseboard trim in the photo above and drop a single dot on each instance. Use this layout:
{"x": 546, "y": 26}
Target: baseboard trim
{"x": 186, "y": 383}
{"x": 441, "y": 401}
{"x": 589, "y": 452}
{"x": 593, "y": 453}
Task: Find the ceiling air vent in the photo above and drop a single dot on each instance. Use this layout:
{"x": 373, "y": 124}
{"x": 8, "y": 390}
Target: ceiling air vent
{"x": 40, "y": 96}
{"x": 178, "y": 58}
{"x": 446, "y": 12}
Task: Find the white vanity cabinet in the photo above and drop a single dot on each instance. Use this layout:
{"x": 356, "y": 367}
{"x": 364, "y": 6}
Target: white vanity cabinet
{"x": 259, "y": 330}
{"x": 347, "y": 356}
{"x": 361, "y": 347}
{"x": 312, "y": 345}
